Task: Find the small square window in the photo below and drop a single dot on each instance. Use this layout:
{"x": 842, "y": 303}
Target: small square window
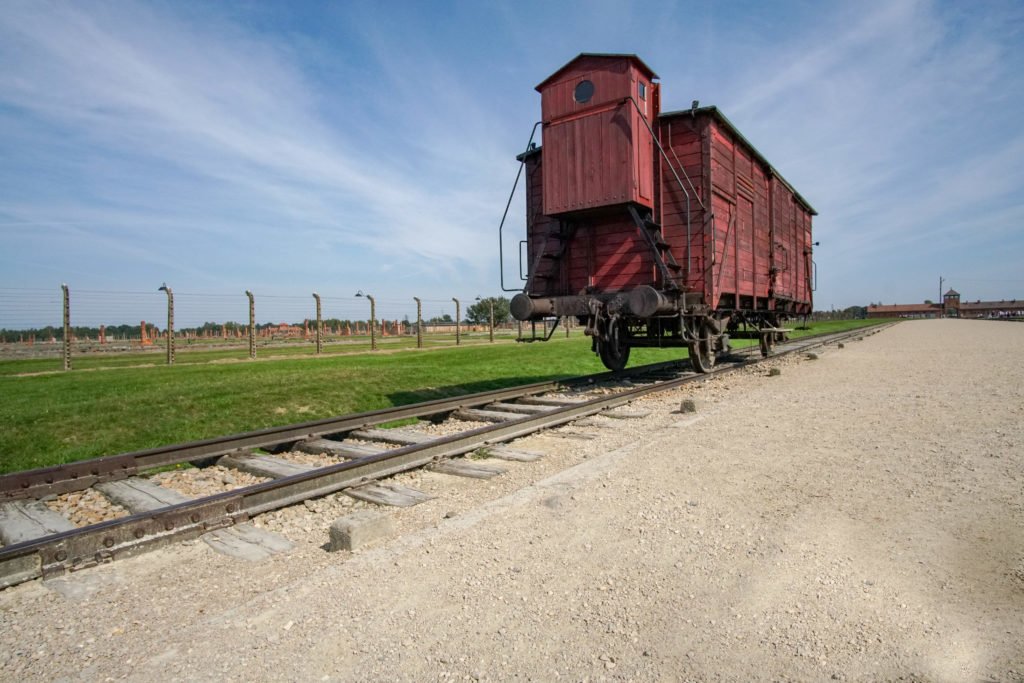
{"x": 642, "y": 89}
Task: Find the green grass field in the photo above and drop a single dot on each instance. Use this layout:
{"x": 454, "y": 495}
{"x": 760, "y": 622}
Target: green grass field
{"x": 57, "y": 417}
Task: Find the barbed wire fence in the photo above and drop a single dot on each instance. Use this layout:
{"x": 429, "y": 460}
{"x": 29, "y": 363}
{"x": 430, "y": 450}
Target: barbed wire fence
{"x": 45, "y": 324}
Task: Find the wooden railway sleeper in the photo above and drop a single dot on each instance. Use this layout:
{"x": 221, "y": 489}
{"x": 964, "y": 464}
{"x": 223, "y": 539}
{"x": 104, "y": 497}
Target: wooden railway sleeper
{"x": 101, "y": 543}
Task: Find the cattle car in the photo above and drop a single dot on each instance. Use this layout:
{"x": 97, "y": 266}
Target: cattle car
{"x": 656, "y": 228}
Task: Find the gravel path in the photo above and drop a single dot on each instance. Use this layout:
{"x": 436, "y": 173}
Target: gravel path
{"x": 859, "y": 517}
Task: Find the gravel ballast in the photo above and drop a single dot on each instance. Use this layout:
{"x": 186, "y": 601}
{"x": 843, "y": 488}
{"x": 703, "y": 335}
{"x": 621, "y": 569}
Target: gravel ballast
{"x": 858, "y": 517}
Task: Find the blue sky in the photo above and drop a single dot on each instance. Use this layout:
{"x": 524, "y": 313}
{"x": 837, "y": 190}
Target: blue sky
{"x": 335, "y": 147}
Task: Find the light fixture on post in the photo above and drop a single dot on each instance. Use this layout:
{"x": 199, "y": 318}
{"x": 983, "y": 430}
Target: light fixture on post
{"x": 419, "y": 322}
{"x": 170, "y": 322}
{"x": 458, "y": 324}
{"x": 373, "y": 320}
{"x": 319, "y": 325}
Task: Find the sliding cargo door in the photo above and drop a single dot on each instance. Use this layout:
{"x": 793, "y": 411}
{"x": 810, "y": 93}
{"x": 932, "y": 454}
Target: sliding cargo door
{"x": 745, "y": 251}
{"x": 785, "y": 263}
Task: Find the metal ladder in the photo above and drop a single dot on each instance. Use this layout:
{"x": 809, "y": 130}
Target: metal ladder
{"x": 562, "y": 234}
{"x": 663, "y": 258}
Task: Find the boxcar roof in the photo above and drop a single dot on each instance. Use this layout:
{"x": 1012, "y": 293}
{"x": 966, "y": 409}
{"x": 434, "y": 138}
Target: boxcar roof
{"x": 716, "y": 113}
{"x": 600, "y": 55}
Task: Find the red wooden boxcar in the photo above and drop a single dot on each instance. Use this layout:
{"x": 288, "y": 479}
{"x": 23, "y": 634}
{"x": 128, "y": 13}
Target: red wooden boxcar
{"x": 656, "y": 229}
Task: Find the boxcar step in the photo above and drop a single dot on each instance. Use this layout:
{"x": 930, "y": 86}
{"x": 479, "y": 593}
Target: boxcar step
{"x": 25, "y": 520}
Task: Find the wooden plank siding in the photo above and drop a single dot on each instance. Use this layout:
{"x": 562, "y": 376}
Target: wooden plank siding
{"x": 605, "y": 253}
{"x": 749, "y": 232}
{"x": 599, "y": 152}
{"x": 684, "y": 148}
{"x": 742, "y": 261}
{"x": 791, "y": 244}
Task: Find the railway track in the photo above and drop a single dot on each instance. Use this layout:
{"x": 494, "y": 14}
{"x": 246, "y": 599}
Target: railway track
{"x": 40, "y": 543}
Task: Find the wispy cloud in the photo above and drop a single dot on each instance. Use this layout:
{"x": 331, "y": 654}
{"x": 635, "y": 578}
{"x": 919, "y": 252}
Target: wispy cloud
{"x": 198, "y": 100}
{"x": 892, "y": 119}
{"x": 352, "y": 146}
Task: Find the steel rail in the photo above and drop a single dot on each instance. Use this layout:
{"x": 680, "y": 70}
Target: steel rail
{"x": 82, "y": 474}
{"x": 126, "y": 536}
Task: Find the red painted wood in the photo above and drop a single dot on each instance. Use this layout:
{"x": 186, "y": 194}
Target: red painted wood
{"x": 598, "y": 153}
{"x": 750, "y": 242}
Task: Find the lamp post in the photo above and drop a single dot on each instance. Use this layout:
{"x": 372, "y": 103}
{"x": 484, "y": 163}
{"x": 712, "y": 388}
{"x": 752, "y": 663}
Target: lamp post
{"x": 458, "y": 324}
{"x": 252, "y": 324}
{"x": 170, "y": 322}
{"x": 419, "y": 322}
{"x": 373, "y": 320}
{"x": 67, "y": 326}
{"x": 319, "y": 325}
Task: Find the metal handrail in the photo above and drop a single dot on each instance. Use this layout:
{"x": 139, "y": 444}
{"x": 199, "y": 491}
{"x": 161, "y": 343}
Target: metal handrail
{"x": 501, "y": 227}
{"x": 678, "y": 181}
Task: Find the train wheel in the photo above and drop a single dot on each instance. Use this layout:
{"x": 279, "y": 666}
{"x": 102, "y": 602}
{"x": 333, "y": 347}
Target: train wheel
{"x": 702, "y": 352}
{"x": 614, "y": 353}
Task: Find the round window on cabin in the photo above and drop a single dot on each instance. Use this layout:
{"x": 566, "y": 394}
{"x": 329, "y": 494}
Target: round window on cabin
{"x": 584, "y": 91}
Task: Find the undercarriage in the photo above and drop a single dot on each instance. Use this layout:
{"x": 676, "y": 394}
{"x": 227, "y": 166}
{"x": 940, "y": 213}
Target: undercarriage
{"x": 646, "y": 317}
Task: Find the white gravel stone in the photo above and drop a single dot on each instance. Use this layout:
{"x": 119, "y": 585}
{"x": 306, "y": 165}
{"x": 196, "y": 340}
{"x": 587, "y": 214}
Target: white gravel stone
{"x": 859, "y": 517}
{"x": 83, "y": 508}
{"x": 207, "y": 481}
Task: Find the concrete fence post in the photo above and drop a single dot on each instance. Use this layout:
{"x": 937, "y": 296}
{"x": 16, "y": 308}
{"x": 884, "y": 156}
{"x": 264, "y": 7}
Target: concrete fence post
{"x": 170, "y": 323}
{"x": 419, "y": 322}
{"x": 492, "y": 320}
{"x": 319, "y": 325}
{"x": 67, "y": 326}
{"x": 458, "y": 324}
{"x": 567, "y": 322}
{"x": 252, "y": 324}
{"x": 373, "y": 322}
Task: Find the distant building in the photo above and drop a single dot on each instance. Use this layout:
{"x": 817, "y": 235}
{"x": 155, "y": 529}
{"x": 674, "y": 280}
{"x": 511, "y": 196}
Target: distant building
{"x": 951, "y": 307}
{"x": 1012, "y": 308}
{"x": 905, "y": 311}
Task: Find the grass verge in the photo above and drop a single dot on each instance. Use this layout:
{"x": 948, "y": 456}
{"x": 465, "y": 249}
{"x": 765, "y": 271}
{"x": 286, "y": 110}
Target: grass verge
{"x": 50, "y": 419}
